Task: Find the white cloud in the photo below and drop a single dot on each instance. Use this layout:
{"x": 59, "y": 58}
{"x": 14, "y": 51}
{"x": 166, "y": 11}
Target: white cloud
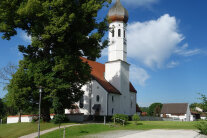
{"x": 25, "y": 37}
{"x": 138, "y": 75}
{"x": 183, "y": 51}
{"x": 139, "y": 3}
{"x": 172, "y": 64}
{"x": 154, "y": 42}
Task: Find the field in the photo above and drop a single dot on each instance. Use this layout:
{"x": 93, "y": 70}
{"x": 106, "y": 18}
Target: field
{"x": 97, "y": 128}
{"x": 20, "y": 129}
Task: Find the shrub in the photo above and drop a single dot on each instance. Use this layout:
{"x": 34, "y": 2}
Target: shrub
{"x": 202, "y": 127}
{"x": 135, "y": 118}
{"x": 59, "y": 118}
{"x": 4, "y": 120}
{"x": 120, "y": 118}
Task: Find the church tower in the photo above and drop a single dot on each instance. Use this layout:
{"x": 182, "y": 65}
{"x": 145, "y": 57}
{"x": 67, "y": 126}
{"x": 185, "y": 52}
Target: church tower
{"x": 117, "y": 68}
{"x": 118, "y": 17}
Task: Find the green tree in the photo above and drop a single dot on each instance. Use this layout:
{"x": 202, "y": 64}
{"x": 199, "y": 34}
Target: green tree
{"x": 135, "y": 118}
{"x": 62, "y": 31}
{"x": 155, "y": 109}
{"x": 203, "y": 98}
{"x": 2, "y": 109}
{"x": 194, "y": 105}
{"x": 20, "y": 91}
{"x": 144, "y": 109}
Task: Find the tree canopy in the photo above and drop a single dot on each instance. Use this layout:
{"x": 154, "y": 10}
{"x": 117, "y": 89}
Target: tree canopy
{"x": 155, "y": 109}
{"x": 62, "y": 31}
{"x": 203, "y": 104}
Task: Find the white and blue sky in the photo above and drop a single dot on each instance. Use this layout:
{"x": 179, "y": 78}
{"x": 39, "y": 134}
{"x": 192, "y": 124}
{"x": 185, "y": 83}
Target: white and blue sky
{"x": 166, "y": 49}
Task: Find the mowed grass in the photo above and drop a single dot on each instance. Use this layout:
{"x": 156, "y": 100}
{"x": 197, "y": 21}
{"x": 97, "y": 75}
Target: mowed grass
{"x": 87, "y": 129}
{"x": 21, "y": 129}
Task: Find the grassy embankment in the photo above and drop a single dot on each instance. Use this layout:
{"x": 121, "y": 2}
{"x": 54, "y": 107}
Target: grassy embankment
{"x": 20, "y": 129}
{"x": 87, "y": 129}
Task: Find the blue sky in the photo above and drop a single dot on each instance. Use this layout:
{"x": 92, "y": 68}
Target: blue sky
{"x": 166, "y": 49}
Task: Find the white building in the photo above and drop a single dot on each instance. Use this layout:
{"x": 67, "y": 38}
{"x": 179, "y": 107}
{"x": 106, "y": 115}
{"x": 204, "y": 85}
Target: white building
{"x": 177, "y": 111}
{"x": 110, "y": 91}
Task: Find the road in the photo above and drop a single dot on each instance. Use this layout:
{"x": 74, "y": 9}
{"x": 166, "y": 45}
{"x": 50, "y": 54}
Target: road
{"x": 156, "y": 133}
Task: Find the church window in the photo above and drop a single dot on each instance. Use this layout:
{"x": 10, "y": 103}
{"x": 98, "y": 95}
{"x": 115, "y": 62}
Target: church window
{"x": 112, "y": 111}
{"x": 97, "y": 98}
{"x": 112, "y": 98}
{"x": 119, "y": 32}
{"x": 124, "y": 34}
{"x": 113, "y": 33}
{"x": 131, "y": 104}
{"x": 81, "y": 102}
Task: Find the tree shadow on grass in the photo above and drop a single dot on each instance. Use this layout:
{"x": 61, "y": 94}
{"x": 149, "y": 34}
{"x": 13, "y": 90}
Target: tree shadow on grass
{"x": 84, "y": 132}
{"x": 138, "y": 124}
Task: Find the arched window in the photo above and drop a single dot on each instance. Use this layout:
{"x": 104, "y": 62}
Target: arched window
{"x": 124, "y": 34}
{"x": 97, "y": 98}
{"x": 113, "y": 33}
{"x": 119, "y": 32}
{"x": 81, "y": 105}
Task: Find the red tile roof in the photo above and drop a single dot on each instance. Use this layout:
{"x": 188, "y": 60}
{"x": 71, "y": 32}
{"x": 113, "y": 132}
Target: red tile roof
{"x": 97, "y": 73}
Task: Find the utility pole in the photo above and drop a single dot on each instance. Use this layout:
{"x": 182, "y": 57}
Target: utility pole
{"x": 40, "y": 91}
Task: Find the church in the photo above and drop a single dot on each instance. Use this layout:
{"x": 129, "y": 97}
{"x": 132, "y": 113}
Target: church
{"x": 110, "y": 91}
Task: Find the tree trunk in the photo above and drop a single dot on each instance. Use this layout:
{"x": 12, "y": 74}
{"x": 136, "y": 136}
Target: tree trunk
{"x": 20, "y": 116}
{"x": 45, "y": 112}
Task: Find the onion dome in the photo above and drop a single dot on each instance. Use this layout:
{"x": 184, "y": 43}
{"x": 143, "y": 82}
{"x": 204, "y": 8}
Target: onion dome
{"x": 118, "y": 13}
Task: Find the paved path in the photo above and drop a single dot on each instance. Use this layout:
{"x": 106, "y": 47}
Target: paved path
{"x": 33, "y": 135}
{"x": 156, "y": 133}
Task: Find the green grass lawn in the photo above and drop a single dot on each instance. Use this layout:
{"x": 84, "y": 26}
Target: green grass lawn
{"x": 87, "y": 129}
{"x": 20, "y": 129}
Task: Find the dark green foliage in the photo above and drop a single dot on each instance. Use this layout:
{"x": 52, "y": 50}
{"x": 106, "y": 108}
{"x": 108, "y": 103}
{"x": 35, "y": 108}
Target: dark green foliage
{"x": 194, "y": 105}
{"x": 62, "y": 32}
{"x": 2, "y": 109}
{"x": 155, "y": 109}
{"x": 203, "y": 104}
{"x": 119, "y": 118}
{"x": 144, "y": 109}
{"x": 60, "y": 118}
{"x": 135, "y": 118}
{"x": 202, "y": 127}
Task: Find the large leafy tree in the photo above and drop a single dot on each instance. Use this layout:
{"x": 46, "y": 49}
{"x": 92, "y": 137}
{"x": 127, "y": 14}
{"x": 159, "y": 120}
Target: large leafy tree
{"x": 155, "y": 109}
{"x": 62, "y": 31}
{"x": 2, "y": 109}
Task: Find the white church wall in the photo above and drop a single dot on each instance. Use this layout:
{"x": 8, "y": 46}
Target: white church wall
{"x": 97, "y": 89}
{"x": 85, "y": 109}
{"x": 112, "y": 73}
{"x": 133, "y": 103}
{"x": 114, "y": 104}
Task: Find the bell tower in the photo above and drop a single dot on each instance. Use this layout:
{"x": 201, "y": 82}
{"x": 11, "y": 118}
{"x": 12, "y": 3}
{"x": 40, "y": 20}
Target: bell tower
{"x": 118, "y": 17}
{"x": 117, "y": 68}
